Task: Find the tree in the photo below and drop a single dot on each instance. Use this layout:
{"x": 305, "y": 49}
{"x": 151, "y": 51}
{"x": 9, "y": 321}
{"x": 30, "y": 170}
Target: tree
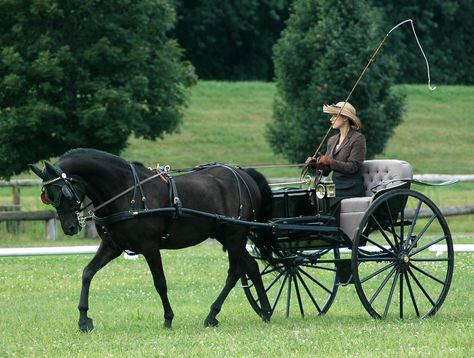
{"x": 318, "y": 59}
{"x": 82, "y": 73}
{"x": 231, "y": 40}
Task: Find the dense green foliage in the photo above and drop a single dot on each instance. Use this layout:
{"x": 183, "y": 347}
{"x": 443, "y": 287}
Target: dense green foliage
{"x": 81, "y": 73}
{"x": 231, "y": 39}
{"x": 444, "y": 31}
{"x": 318, "y": 60}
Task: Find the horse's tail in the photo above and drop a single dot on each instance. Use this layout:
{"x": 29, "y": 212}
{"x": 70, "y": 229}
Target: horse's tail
{"x": 265, "y": 209}
{"x": 263, "y": 239}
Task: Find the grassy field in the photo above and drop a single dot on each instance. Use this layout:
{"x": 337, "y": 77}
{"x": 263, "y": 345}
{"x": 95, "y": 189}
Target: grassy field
{"x": 225, "y": 122}
{"x": 39, "y": 295}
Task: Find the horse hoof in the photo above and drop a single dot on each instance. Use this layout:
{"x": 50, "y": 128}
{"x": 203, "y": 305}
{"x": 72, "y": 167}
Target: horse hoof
{"x": 211, "y": 323}
{"x": 86, "y": 325}
{"x": 167, "y": 324}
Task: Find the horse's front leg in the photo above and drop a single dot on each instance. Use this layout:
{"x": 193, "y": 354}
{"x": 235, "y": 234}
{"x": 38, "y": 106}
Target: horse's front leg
{"x": 153, "y": 258}
{"x": 103, "y": 256}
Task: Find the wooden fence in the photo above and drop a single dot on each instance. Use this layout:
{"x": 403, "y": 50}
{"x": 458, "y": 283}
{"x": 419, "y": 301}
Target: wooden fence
{"x": 12, "y": 214}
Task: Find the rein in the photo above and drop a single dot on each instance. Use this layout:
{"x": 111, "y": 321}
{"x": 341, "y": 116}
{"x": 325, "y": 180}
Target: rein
{"x": 128, "y": 190}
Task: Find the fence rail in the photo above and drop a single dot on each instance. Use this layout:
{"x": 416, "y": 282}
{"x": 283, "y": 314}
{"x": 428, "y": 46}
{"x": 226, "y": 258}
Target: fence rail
{"x": 12, "y": 214}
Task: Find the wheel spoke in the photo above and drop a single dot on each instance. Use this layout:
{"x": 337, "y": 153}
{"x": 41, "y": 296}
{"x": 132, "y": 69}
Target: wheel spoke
{"x": 382, "y": 285}
{"x": 277, "y": 298}
{"x": 421, "y": 287}
{"x": 422, "y": 232}
{"x": 382, "y": 231}
{"x": 402, "y": 230}
{"x": 372, "y": 275}
{"x": 308, "y": 292}
{"x": 434, "y": 259}
{"x": 390, "y": 295}
{"x": 288, "y": 296}
{"x": 412, "y": 295}
{"x": 381, "y": 247}
{"x": 392, "y": 226}
{"x": 428, "y": 274}
{"x": 276, "y": 268}
{"x": 401, "y": 296}
{"x": 315, "y": 281}
{"x": 427, "y": 245}
{"x": 298, "y": 295}
{"x": 415, "y": 215}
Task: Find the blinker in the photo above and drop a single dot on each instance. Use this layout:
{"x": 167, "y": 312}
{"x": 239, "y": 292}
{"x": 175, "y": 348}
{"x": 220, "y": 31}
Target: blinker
{"x": 67, "y": 192}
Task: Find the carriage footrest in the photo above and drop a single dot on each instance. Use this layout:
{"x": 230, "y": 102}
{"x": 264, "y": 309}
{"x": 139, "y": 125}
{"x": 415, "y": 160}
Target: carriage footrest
{"x": 344, "y": 272}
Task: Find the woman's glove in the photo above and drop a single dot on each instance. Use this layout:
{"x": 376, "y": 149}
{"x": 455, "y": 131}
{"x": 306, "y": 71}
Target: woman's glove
{"x": 325, "y": 160}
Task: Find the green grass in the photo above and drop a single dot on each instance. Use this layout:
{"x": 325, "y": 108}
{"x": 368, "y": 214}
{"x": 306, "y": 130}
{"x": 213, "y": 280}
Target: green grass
{"x": 39, "y": 295}
{"x": 225, "y": 123}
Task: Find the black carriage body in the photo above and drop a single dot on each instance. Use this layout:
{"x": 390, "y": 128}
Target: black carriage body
{"x": 311, "y": 225}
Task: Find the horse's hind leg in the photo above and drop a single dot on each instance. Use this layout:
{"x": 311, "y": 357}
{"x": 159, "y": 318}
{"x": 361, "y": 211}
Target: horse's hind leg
{"x": 156, "y": 267}
{"x": 104, "y": 255}
{"x": 235, "y": 246}
{"x": 233, "y": 276}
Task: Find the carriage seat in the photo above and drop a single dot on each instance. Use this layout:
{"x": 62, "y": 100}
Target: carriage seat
{"x": 373, "y": 172}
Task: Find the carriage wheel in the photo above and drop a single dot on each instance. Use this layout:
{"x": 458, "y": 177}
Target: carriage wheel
{"x": 305, "y": 282}
{"x": 402, "y": 258}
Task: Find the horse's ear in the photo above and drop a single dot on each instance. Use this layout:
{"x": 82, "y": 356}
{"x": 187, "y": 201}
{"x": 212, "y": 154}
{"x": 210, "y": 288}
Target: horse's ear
{"x": 36, "y": 170}
{"x": 55, "y": 171}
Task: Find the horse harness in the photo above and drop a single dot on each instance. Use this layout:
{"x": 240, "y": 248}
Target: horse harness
{"x": 69, "y": 191}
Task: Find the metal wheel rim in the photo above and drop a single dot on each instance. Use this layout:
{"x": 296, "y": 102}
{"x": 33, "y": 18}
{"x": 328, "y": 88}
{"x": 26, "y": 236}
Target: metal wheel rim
{"x": 408, "y": 280}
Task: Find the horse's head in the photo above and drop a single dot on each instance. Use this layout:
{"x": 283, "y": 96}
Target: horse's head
{"x": 64, "y": 193}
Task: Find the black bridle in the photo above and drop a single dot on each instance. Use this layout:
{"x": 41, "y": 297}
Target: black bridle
{"x": 74, "y": 189}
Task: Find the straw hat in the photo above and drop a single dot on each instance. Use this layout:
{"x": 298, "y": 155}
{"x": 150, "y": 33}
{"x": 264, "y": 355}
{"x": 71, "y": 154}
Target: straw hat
{"x": 348, "y": 111}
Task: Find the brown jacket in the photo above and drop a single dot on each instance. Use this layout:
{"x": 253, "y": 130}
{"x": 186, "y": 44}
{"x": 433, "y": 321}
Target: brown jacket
{"x": 346, "y": 162}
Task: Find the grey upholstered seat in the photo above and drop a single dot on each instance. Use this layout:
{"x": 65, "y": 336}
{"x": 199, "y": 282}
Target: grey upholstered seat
{"x": 374, "y": 172}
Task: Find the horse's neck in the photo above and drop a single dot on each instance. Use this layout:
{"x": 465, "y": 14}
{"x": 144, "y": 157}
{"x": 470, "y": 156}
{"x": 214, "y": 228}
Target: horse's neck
{"x": 104, "y": 179}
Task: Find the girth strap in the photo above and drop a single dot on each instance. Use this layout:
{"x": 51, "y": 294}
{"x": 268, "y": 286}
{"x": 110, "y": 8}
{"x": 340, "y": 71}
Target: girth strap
{"x": 137, "y": 184}
{"x": 175, "y": 201}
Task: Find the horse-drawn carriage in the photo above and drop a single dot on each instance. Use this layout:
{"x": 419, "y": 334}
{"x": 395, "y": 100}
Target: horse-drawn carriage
{"x": 394, "y": 244}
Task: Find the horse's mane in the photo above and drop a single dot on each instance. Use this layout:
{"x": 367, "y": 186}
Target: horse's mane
{"x": 98, "y": 154}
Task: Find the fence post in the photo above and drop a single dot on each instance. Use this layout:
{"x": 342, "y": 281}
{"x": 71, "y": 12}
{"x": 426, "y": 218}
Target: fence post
{"x": 51, "y": 231}
{"x": 13, "y": 227}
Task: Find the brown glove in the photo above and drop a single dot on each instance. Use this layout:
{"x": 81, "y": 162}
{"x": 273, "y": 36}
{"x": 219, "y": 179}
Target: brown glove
{"x": 311, "y": 163}
{"x": 325, "y": 160}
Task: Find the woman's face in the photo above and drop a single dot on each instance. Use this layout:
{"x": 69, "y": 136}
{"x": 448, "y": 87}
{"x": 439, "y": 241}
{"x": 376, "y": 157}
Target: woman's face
{"x": 340, "y": 122}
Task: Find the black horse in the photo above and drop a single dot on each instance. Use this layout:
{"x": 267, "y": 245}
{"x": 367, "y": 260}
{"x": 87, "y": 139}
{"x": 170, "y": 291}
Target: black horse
{"x": 121, "y": 191}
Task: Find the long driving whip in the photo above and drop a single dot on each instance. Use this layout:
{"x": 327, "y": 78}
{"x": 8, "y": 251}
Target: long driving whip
{"x": 305, "y": 169}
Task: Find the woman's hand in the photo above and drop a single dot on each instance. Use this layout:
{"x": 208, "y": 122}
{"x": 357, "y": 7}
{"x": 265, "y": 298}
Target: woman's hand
{"x": 325, "y": 160}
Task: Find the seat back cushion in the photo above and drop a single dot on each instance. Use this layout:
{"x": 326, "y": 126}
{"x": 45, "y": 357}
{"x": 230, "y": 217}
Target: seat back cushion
{"x": 374, "y": 172}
